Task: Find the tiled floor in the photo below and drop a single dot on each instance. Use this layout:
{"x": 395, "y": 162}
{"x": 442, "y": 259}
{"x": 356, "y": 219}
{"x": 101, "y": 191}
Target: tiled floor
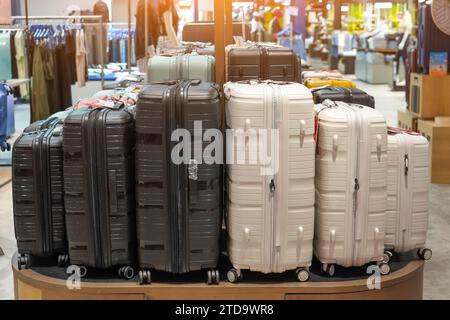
{"x": 437, "y": 271}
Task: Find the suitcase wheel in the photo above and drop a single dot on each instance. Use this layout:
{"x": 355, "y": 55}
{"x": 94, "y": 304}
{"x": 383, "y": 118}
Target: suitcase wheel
{"x": 5, "y": 146}
{"x": 23, "y": 261}
{"x": 234, "y": 276}
{"x": 329, "y": 269}
{"x": 387, "y": 256}
{"x": 63, "y": 260}
{"x": 425, "y": 254}
{"x": 145, "y": 277}
{"x": 302, "y": 274}
{"x": 213, "y": 277}
{"x": 126, "y": 273}
{"x": 385, "y": 269}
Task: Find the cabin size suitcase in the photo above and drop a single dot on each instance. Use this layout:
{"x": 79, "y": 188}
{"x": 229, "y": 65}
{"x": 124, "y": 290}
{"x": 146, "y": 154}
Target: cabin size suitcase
{"x": 347, "y": 95}
{"x": 351, "y": 186}
{"x": 408, "y": 192}
{"x": 430, "y": 38}
{"x": 179, "y": 203}
{"x": 328, "y": 82}
{"x": 270, "y": 210}
{"x": 261, "y": 61}
{"x": 99, "y": 183}
{"x": 38, "y": 197}
{"x": 181, "y": 67}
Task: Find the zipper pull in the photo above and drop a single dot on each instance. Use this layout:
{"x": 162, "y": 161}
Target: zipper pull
{"x": 406, "y": 164}
{"x": 357, "y": 186}
{"x": 272, "y": 186}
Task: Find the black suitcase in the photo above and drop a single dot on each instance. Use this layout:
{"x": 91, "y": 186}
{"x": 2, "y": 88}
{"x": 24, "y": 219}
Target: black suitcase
{"x": 179, "y": 207}
{"x": 99, "y": 187}
{"x": 262, "y": 62}
{"x": 38, "y": 193}
{"x": 348, "y": 95}
{"x": 430, "y": 38}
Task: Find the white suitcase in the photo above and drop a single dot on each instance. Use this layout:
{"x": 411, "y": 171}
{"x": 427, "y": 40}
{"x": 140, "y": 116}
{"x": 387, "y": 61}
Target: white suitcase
{"x": 270, "y": 218}
{"x": 408, "y": 187}
{"x": 351, "y": 186}
{"x": 181, "y": 67}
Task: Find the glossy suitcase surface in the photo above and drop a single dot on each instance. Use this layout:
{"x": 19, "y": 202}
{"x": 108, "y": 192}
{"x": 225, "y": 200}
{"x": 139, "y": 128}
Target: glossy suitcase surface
{"x": 263, "y": 62}
{"x": 430, "y": 38}
{"x": 179, "y": 207}
{"x": 351, "y": 187}
{"x": 99, "y": 183}
{"x": 181, "y": 67}
{"x": 317, "y": 83}
{"x": 38, "y": 196}
{"x": 347, "y": 95}
{"x": 270, "y": 217}
{"x": 408, "y": 188}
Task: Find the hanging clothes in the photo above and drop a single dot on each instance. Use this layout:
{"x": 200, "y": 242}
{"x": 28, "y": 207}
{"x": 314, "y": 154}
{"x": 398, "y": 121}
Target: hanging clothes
{"x": 81, "y": 58}
{"x": 22, "y": 62}
{"x": 153, "y": 27}
{"x": 40, "y": 109}
{"x": 5, "y": 56}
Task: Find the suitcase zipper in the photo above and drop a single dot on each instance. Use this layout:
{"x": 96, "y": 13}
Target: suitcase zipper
{"x": 356, "y": 221}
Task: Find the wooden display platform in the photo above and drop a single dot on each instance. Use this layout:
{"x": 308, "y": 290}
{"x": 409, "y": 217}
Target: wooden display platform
{"x": 404, "y": 283}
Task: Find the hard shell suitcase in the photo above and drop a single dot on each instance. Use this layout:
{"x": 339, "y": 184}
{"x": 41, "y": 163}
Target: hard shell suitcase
{"x": 318, "y": 83}
{"x": 261, "y": 61}
{"x": 351, "y": 186}
{"x": 321, "y": 74}
{"x": 38, "y": 197}
{"x": 181, "y": 67}
{"x": 430, "y": 38}
{"x": 347, "y": 95}
{"x": 99, "y": 183}
{"x": 408, "y": 188}
{"x": 270, "y": 215}
{"x": 179, "y": 207}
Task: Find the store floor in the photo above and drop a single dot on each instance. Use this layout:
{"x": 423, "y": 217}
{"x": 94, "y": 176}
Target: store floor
{"x": 437, "y": 271}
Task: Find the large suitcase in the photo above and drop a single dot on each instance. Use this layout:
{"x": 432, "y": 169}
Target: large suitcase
{"x": 408, "y": 188}
{"x": 351, "y": 186}
{"x": 430, "y": 38}
{"x": 270, "y": 212}
{"x": 179, "y": 207}
{"x": 99, "y": 184}
{"x": 181, "y": 67}
{"x": 261, "y": 61}
{"x": 330, "y": 82}
{"x": 347, "y": 95}
{"x": 38, "y": 197}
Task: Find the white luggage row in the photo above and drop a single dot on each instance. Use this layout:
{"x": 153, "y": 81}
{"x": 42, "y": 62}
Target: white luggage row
{"x": 344, "y": 199}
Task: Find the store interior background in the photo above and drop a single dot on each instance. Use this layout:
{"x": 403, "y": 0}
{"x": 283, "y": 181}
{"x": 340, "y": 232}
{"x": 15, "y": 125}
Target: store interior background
{"x": 437, "y": 271}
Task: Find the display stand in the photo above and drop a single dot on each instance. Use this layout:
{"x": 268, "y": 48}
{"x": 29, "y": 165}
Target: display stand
{"x": 51, "y": 283}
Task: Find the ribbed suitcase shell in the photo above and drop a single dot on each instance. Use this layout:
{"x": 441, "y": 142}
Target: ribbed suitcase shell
{"x": 343, "y": 94}
{"x": 181, "y": 67}
{"x": 263, "y": 62}
{"x": 261, "y": 239}
{"x": 408, "y": 187}
{"x": 38, "y": 196}
{"x": 99, "y": 184}
{"x": 430, "y": 38}
{"x": 317, "y": 83}
{"x": 350, "y": 219}
{"x": 185, "y": 237}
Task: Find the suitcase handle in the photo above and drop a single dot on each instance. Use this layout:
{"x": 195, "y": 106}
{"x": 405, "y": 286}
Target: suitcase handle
{"x": 46, "y": 124}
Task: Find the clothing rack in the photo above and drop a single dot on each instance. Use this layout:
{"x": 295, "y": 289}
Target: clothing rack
{"x": 65, "y": 18}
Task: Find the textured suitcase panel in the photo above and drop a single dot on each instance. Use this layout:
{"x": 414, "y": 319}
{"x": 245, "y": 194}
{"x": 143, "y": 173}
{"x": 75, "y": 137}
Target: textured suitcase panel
{"x": 347, "y": 95}
{"x": 38, "y": 190}
{"x": 181, "y": 67}
{"x": 162, "y": 244}
{"x": 408, "y": 187}
{"x": 339, "y": 237}
{"x": 99, "y": 187}
{"x": 261, "y": 239}
{"x": 262, "y": 62}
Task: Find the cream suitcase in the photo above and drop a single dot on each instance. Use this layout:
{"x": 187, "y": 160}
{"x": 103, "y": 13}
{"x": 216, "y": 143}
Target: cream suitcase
{"x": 408, "y": 187}
{"x": 351, "y": 186}
{"x": 270, "y": 218}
